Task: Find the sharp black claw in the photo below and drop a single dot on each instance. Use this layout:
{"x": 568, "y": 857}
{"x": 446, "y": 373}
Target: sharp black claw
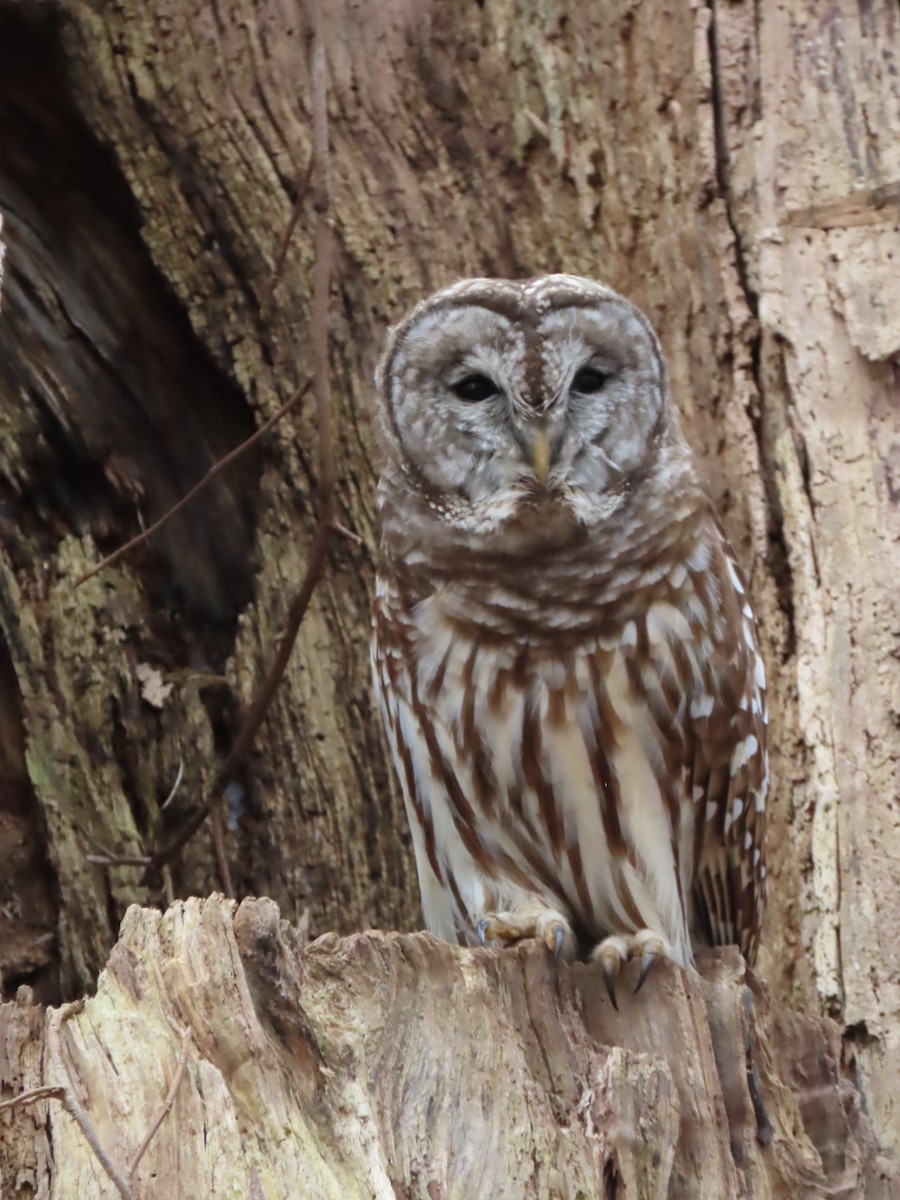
{"x": 480, "y": 928}
{"x": 609, "y": 974}
{"x": 648, "y": 958}
{"x": 559, "y": 936}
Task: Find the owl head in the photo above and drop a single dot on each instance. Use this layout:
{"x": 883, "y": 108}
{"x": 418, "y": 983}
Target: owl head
{"x": 501, "y": 397}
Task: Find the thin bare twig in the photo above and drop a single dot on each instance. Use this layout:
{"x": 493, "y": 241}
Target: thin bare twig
{"x": 52, "y": 1091}
{"x": 118, "y": 860}
{"x": 175, "y": 786}
{"x": 218, "y": 837}
{"x": 326, "y": 480}
{"x": 167, "y": 1104}
{"x": 289, "y": 233}
{"x": 70, "y": 1101}
{"x": 198, "y": 487}
{"x": 109, "y": 858}
{"x": 348, "y": 533}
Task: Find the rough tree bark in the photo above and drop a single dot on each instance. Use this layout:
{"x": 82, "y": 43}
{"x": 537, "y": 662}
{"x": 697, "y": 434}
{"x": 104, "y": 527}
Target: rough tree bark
{"x": 732, "y": 167}
{"x": 318, "y": 1073}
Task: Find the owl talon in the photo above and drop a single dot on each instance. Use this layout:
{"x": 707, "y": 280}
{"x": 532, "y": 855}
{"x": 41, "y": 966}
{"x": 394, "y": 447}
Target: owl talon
{"x": 559, "y": 938}
{"x": 609, "y": 975}
{"x": 648, "y": 958}
{"x": 614, "y": 951}
{"x": 532, "y": 920}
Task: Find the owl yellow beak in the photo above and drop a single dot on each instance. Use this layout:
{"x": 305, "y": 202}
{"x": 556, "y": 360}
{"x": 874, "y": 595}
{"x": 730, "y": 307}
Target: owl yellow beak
{"x": 540, "y": 456}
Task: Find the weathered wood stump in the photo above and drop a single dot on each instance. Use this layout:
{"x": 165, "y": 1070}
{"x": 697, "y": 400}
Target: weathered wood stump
{"x": 397, "y": 1065}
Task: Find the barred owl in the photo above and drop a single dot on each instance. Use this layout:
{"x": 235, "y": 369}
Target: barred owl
{"x": 563, "y": 649}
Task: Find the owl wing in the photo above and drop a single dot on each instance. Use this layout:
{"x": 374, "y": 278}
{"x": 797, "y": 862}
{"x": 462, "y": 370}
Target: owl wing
{"x": 728, "y": 765}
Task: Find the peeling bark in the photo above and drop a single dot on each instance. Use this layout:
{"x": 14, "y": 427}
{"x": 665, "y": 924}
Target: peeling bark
{"x": 733, "y": 168}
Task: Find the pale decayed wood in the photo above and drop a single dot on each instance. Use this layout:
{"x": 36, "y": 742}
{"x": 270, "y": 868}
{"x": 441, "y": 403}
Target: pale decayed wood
{"x": 820, "y": 156}
{"x": 396, "y": 1065}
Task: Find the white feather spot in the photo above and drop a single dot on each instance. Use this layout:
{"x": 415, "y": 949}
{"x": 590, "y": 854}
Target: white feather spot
{"x": 629, "y": 634}
{"x": 762, "y": 872}
{"x": 555, "y": 675}
{"x": 656, "y": 625}
{"x": 711, "y": 809}
{"x": 743, "y": 751}
{"x": 756, "y": 858}
{"x": 747, "y": 611}
{"x": 737, "y": 809}
{"x": 738, "y": 586}
{"x": 698, "y": 559}
{"x": 759, "y": 672}
{"x": 748, "y": 840}
{"x": 698, "y": 794}
{"x": 677, "y": 575}
{"x": 702, "y": 706}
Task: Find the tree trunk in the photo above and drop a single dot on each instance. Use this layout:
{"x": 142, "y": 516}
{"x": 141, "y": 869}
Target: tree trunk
{"x": 732, "y": 168}
{"x": 318, "y": 1073}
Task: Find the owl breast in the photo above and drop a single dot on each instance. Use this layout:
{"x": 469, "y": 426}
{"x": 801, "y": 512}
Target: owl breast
{"x": 566, "y": 769}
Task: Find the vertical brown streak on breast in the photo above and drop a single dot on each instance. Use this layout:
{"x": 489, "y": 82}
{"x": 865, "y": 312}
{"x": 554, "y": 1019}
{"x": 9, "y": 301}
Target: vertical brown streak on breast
{"x": 424, "y": 819}
{"x": 605, "y": 777}
{"x": 483, "y": 776}
{"x": 520, "y": 670}
{"x": 472, "y": 744}
{"x": 556, "y": 708}
{"x": 610, "y": 800}
{"x": 464, "y": 817}
{"x": 623, "y": 891}
{"x": 467, "y": 712}
{"x": 465, "y": 917}
{"x": 496, "y": 693}
{"x": 573, "y": 852}
{"x": 436, "y": 682}
{"x": 536, "y": 779}
{"x": 598, "y": 668}
{"x": 540, "y": 870}
{"x": 519, "y": 817}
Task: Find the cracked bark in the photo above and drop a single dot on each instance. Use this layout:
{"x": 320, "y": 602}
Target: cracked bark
{"x": 732, "y": 168}
{"x": 315, "y": 1071}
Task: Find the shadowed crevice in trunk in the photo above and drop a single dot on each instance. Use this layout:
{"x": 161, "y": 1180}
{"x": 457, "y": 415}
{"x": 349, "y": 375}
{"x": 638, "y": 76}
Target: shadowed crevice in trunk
{"x": 111, "y": 406}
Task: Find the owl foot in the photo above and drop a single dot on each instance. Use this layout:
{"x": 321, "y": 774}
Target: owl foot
{"x": 529, "y": 921}
{"x": 613, "y": 952}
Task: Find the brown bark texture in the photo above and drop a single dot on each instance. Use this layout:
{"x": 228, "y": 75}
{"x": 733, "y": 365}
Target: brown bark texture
{"x": 316, "y": 1072}
{"x": 734, "y": 168}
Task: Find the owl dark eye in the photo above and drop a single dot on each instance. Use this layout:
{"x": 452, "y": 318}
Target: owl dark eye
{"x": 588, "y": 381}
{"x": 475, "y": 388}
